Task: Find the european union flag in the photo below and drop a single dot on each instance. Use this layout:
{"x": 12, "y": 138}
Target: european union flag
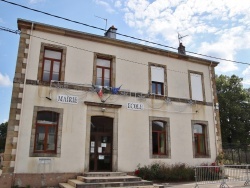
{"x": 115, "y": 89}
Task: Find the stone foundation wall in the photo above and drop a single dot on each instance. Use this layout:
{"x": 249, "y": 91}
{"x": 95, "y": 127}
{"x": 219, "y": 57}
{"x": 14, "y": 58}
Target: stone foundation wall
{"x": 35, "y": 180}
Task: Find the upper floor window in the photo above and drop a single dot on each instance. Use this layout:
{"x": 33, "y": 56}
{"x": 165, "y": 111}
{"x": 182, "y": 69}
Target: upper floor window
{"x": 46, "y": 132}
{"x": 196, "y": 86}
{"x": 157, "y": 79}
{"x": 103, "y": 72}
{"x": 104, "y": 67}
{"x": 52, "y": 62}
{"x": 51, "y": 65}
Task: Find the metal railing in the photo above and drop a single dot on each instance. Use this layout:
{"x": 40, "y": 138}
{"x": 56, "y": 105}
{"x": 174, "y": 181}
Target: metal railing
{"x": 222, "y": 175}
{"x": 236, "y": 153}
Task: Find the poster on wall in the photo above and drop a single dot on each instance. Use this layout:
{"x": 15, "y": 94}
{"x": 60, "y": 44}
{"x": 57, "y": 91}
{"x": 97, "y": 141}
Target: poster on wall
{"x": 104, "y": 145}
{"x": 101, "y": 157}
{"x": 99, "y": 149}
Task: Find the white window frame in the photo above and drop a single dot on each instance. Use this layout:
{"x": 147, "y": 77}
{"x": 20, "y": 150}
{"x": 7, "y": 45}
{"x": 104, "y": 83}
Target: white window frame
{"x": 161, "y": 78}
{"x": 196, "y": 86}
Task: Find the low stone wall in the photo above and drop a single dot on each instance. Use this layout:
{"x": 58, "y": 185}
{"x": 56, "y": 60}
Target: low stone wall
{"x": 35, "y": 180}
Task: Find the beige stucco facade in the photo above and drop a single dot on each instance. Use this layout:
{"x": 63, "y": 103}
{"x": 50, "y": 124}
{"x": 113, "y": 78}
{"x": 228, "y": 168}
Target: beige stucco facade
{"x": 131, "y": 128}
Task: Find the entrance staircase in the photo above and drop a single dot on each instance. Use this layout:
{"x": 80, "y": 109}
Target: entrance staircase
{"x": 107, "y": 179}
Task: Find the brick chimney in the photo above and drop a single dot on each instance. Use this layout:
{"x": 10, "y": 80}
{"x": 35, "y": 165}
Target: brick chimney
{"x": 111, "y": 32}
{"x": 181, "y": 49}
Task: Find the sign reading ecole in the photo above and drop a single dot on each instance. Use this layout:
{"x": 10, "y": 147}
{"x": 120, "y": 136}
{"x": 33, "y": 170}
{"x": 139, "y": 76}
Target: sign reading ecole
{"x": 68, "y": 99}
{"x": 135, "y": 106}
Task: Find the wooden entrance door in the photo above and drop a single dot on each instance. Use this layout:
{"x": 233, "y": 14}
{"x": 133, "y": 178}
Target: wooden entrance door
{"x": 101, "y": 141}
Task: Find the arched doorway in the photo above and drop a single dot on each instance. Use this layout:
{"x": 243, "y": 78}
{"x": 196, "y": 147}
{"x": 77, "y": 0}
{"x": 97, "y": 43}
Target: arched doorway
{"x": 101, "y": 143}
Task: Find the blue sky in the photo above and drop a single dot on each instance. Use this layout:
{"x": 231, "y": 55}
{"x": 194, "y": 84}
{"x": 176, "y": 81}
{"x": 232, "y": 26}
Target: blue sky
{"x": 218, "y": 28}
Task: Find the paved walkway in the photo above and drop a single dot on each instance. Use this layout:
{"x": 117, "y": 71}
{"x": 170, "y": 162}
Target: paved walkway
{"x": 192, "y": 185}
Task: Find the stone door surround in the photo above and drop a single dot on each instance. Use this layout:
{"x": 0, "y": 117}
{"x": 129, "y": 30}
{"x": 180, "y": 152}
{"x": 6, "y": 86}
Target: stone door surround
{"x": 107, "y": 110}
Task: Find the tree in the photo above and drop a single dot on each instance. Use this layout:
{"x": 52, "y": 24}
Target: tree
{"x": 234, "y": 109}
{"x": 3, "y": 134}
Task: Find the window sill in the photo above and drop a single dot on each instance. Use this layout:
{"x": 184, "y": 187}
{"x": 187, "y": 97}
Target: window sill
{"x": 202, "y": 156}
{"x": 154, "y": 156}
{"x": 44, "y": 155}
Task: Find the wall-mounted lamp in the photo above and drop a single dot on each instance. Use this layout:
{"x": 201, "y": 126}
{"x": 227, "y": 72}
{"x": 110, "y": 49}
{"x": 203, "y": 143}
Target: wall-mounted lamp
{"x": 103, "y": 109}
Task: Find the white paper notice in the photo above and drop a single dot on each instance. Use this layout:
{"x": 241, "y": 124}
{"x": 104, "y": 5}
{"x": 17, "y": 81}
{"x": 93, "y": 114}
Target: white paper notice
{"x": 101, "y": 157}
{"x": 104, "y": 145}
{"x": 92, "y": 144}
{"x": 92, "y": 150}
{"x": 99, "y": 149}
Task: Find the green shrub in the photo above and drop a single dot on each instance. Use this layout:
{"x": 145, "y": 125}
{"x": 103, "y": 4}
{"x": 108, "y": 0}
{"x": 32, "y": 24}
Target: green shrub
{"x": 162, "y": 172}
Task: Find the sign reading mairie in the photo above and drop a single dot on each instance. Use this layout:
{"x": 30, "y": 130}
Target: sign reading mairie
{"x": 69, "y": 99}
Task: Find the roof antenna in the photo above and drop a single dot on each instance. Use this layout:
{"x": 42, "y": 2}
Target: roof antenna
{"x": 106, "y": 20}
{"x": 181, "y": 48}
{"x": 181, "y": 37}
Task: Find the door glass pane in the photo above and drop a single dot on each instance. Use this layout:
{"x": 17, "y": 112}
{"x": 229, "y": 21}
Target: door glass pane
{"x": 46, "y": 70}
{"x": 201, "y": 144}
{"x": 99, "y": 72}
{"x": 55, "y": 76}
{"x": 153, "y": 87}
{"x": 51, "y": 138}
{"x": 158, "y": 126}
{"x": 159, "y": 89}
{"x": 56, "y": 66}
{"x": 99, "y": 76}
{"x": 198, "y": 128}
{"x": 47, "y": 64}
{"x": 52, "y": 54}
{"x": 56, "y": 69}
{"x": 40, "y": 135}
{"x": 103, "y": 62}
{"x": 106, "y": 73}
{"x": 46, "y": 76}
{"x": 155, "y": 142}
{"x": 106, "y": 82}
{"x": 106, "y": 77}
{"x": 196, "y": 143}
{"x": 92, "y": 150}
{"x": 162, "y": 143}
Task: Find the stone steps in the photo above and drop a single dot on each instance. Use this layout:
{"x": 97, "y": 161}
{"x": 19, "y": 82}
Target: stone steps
{"x": 106, "y": 179}
{"x": 104, "y": 174}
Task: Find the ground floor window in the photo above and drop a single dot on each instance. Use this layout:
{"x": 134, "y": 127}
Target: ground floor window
{"x": 46, "y": 132}
{"x": 159, "y": 137}
{"x": 200, "y": 139}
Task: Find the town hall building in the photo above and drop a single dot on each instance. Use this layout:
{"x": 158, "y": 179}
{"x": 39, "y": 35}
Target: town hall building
{"x": 88, "y": 103}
